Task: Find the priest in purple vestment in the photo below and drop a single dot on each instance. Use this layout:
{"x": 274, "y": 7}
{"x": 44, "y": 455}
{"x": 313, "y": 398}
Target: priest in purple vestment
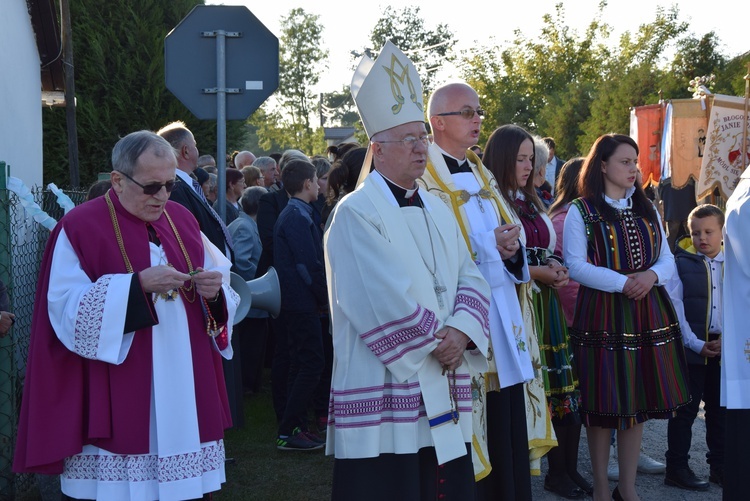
{"x": 124, "y": 394}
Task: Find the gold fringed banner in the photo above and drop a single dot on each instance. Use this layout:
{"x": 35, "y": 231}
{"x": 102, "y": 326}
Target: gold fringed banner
{"x": 723, "y": 160}
{"x": 646, "y": 128}
{"x": 688, "y": 141}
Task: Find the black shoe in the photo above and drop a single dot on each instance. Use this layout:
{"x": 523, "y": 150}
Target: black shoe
{"x": 616, "y": 496}
{"x": 684, "y": 478}
{"x": 563, "y": 486}
{"x": 582, "y": 483}
{"x": 716, "y": 476}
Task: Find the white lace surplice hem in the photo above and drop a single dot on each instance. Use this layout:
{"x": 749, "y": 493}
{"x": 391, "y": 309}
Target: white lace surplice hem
{"x": 99, "y": 474}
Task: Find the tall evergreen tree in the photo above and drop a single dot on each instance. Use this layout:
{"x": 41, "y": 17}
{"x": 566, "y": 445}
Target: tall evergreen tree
{"x": 119, "y": 73}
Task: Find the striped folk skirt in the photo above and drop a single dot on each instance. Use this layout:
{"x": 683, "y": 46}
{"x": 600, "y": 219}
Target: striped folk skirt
{"x": 630, "y": 356}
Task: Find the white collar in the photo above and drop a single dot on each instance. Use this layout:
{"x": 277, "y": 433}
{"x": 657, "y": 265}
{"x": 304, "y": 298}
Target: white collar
{"x": 184, "y": 176}
{"x": 622, "y": 203}
{"x": 719, "y": 258}
{"x": 458, "y": 160}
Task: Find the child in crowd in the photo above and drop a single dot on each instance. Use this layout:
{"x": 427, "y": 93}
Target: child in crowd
{"x": 298, "y": 259}
{"x": 699, "y": 307}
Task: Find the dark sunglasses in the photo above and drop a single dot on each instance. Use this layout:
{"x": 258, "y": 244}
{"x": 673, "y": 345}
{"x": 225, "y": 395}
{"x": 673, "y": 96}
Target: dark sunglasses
{"x": 152, "y": 188}
{"x": 467, "y": 113}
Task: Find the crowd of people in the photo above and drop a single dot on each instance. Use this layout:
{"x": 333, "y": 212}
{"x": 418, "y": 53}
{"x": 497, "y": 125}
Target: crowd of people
{"x": 449, "y": 315}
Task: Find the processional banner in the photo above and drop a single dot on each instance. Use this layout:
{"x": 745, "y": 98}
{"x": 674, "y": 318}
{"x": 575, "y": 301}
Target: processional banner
{"x": 724, "y": 158}
{"x": 685, "y": 125}
{"x": 646, "y": 124}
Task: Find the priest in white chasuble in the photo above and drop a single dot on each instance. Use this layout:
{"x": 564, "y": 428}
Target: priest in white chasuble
{"x": 457, "y": 176}
{"x": 124, "y": 394}
{"x": 409, "y": 311}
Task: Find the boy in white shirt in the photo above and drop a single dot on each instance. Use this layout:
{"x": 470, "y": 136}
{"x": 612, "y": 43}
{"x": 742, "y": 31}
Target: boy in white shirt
{"x": 696, "y": 292}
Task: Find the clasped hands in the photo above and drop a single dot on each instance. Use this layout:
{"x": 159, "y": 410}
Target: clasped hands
{"x": 711, "y": 349}
{"x": 164, "y": 278}
{"x": 450, "y": 350}
{"x": 553, "y": 274}
{"x": 506, "y": 240}
{"x": 638, "y": 284}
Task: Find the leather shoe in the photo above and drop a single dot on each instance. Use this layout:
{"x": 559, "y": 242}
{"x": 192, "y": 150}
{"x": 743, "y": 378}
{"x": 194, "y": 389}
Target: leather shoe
{"x": 684, "y": 478}
{"x": 716, "y": 476}
{"x": 563, "y": 486}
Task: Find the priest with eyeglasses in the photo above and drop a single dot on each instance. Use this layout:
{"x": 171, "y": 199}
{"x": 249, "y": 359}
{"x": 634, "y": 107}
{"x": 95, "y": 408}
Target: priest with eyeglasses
{"x": 124, "y": 395}
{"x": 409, "y": 311}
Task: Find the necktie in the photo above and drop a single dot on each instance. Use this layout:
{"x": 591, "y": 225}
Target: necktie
{"x": 199, "y": 191}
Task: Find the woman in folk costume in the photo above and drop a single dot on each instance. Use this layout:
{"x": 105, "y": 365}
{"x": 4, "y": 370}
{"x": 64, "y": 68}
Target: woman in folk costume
{"x": 500, "y": 156}
{"x": 625, "y": 335}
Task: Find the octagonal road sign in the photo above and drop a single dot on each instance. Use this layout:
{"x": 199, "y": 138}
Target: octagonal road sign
{"x": 251, "y": 57}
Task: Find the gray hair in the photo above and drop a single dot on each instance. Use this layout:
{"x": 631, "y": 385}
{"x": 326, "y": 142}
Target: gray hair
{"x": 175, "y": 133}
{"x": 129, "y": 149}
{"x": 322, "y": 165}
{"x": 250, "y": 199}
{"x": 290, "y": 155}
{"x": 213, "y": 181}
{"x": 264, "y": 163}
{"x": 541, "y": 152}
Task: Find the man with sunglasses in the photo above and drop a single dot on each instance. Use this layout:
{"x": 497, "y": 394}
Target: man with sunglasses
{"x": 124, "y": 395}
{"x": 457, "y": 176}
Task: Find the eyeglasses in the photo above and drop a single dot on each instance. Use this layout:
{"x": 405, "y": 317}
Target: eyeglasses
{"x": 411, "y": 141}
{"x": 152, "y": 188}
{"x": 467, "y": 113}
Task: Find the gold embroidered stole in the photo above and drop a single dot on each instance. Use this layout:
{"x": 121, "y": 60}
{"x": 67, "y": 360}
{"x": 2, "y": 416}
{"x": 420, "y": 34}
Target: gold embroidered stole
{"x": 437, "y": 180}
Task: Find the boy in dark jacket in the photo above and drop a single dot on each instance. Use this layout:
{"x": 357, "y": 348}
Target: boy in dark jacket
{"x": 298, "y": 259}
{"x": 696, "y": 294}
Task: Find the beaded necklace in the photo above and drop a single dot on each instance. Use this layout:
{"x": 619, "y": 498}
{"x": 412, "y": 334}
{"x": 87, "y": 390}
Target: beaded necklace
{"x": 129, "y": 267}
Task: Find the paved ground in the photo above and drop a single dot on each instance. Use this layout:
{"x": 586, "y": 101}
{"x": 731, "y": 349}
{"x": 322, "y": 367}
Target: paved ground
{"x": 650, "y": 487}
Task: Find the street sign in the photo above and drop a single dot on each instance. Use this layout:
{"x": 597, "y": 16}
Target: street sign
{"x": 192, "y": 56}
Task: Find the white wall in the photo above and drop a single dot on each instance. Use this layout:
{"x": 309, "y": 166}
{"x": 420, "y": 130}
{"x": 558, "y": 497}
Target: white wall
{"x": 20, "y": 94}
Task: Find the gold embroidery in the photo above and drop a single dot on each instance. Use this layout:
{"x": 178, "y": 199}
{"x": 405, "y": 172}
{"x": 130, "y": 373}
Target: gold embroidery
{"x": 398, "y": 72}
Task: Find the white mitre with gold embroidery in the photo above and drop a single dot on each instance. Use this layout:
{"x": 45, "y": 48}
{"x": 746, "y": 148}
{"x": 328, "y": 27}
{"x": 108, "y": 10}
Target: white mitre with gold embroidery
{"x": 387, "y": 92}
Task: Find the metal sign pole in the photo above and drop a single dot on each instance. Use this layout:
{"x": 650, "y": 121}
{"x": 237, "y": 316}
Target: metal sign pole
{"x": 221, "y": 113}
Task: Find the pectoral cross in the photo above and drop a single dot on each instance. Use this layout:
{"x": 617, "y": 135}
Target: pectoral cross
{"x": 439, "y": 289}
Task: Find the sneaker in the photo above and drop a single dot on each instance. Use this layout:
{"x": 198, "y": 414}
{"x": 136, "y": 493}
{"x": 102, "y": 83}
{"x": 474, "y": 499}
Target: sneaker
{"x": 648, "y": 464}
{"x": 613, "y": 468}
{"x": 298, "y": 441}
{"x": 314, "y": 437}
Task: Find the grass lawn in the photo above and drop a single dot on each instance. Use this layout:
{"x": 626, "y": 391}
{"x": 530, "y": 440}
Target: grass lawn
{"x": 260, "y": 471}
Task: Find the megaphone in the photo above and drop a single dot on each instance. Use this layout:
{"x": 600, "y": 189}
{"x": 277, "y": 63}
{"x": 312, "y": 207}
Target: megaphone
{"x": 263, "y": 293}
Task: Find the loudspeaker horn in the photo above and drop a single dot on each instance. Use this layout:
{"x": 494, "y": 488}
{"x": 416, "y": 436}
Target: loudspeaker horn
{"x": 263, "y": 293}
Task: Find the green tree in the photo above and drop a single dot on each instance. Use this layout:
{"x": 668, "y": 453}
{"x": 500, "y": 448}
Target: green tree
{"x": 300, "y": 66}
{"x": 631, "y": 76}
{"x": 427, "y": 49}
{"x": 119, "y": 73}
{"x": 542, "y": 83}
{"x": 338, "y": 109}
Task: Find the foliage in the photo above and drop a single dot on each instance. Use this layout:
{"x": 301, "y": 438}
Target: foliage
{"x": 300, "y": 66}
{"x": 575, "y": 87}
{"x": 118, "y": 51}
{"x": 543, "y": 83}
{"x": 427, "y": 49}
{"x": 339, "y": 110}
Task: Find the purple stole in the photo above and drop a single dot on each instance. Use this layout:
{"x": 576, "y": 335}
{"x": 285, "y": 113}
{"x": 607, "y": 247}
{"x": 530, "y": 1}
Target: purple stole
{"x": 70, "y": 401}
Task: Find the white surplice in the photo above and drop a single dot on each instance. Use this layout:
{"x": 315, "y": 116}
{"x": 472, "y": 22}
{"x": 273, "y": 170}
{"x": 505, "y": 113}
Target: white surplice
{"x": 388, "y": 392}
{"x": 735, "y": 346}
{"x": 178, "y": 466}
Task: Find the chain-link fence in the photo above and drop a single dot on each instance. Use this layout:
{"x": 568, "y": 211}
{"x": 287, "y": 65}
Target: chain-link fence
{"x": 22, "y": 242}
